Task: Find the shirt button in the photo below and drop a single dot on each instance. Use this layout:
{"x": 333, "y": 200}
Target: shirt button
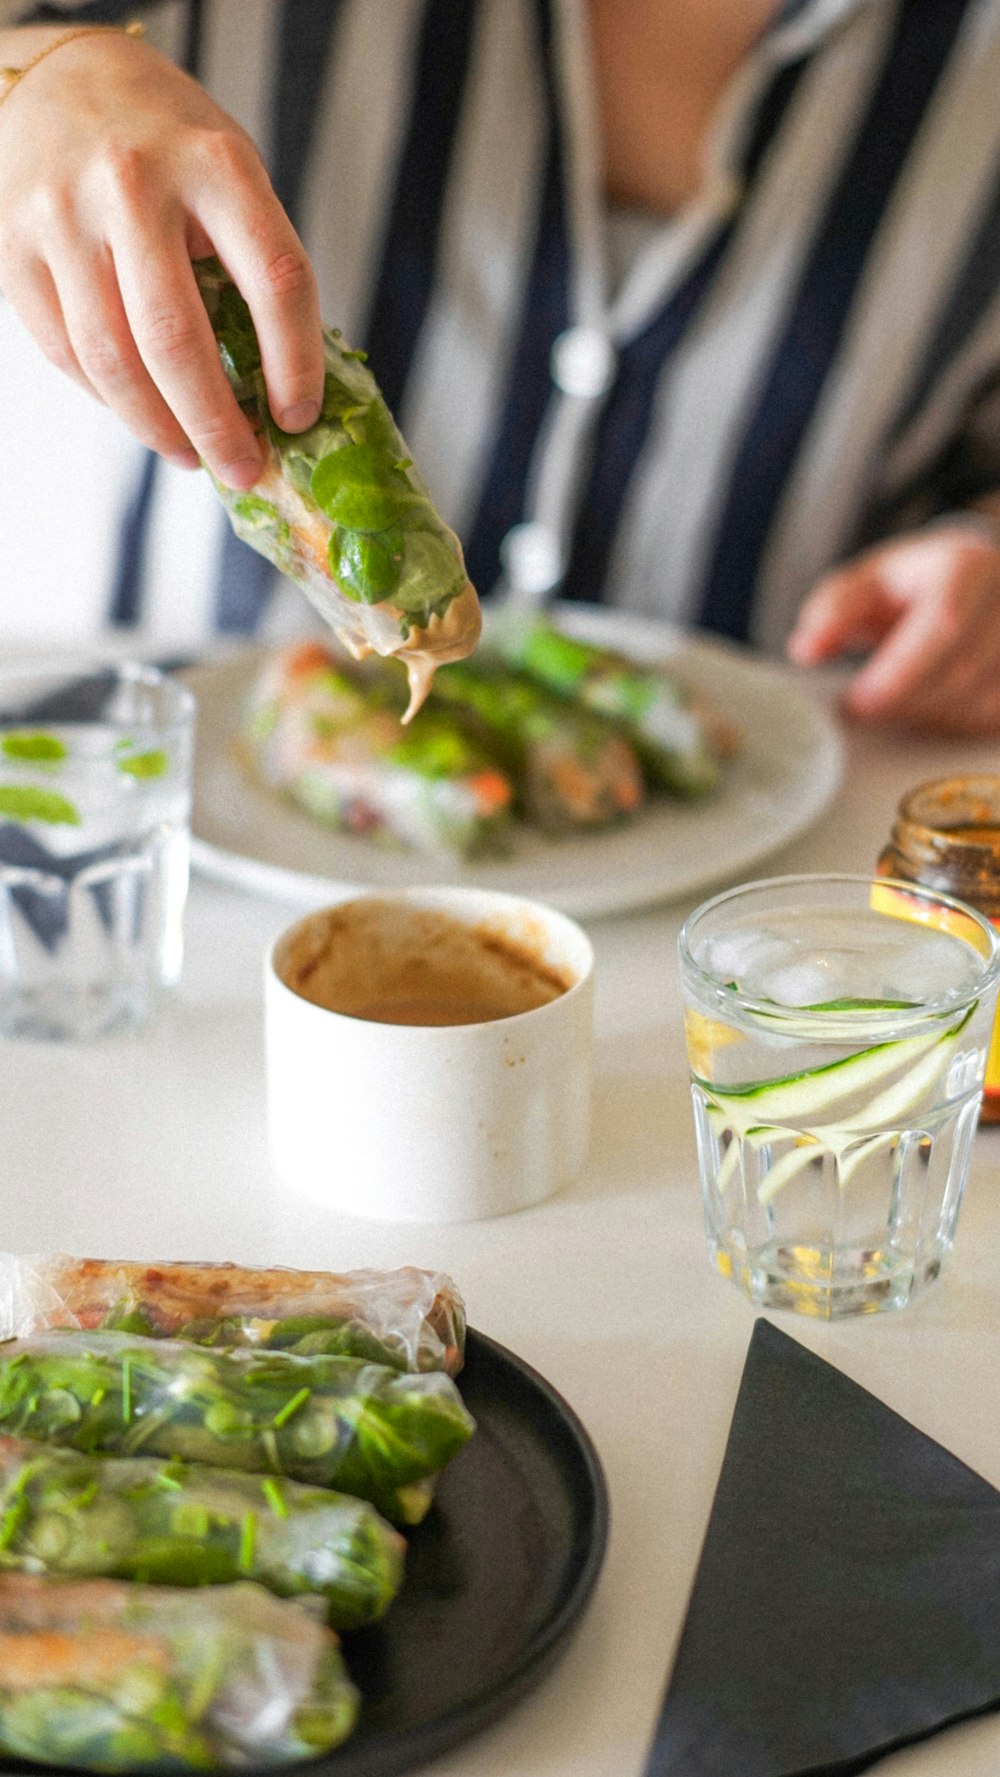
{"x": 531, "y": 558}
{"x": 583, "y": 362}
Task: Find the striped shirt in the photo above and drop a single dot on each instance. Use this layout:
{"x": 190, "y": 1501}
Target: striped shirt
{"x": 804, "y": 359}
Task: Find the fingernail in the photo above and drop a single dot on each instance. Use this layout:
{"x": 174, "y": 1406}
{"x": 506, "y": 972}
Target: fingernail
{"x": 243, "y": 473}
{"x": 297, "y": 418}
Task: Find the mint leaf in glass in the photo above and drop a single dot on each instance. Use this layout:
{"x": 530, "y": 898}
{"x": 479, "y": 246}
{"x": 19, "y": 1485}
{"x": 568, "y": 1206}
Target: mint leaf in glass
{"x": 151, "y": 764}
{"x": 32, "y": 743}
{"x": 26, "y": 802}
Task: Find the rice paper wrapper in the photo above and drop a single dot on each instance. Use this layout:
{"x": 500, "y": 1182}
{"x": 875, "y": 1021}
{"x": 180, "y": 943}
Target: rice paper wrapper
{"x": 170, "y": 1523}
{"x": 123, "y": 1677}
{"x": 332, "y": 1421}
{"x": 407, "y": 1318}
{"x": 341, "y": 510}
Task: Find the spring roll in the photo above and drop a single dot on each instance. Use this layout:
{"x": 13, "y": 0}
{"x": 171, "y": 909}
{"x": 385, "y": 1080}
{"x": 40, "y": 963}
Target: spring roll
{"x": 333, "y": 743}
{"x": 571, "y": 769}
{"x": 112, "y": 1677}
{"x": 341, "y": 510}
{"x": 330, "y": 1421}
{"x": 407, "y": 1319}
{"x": 186, "y": 1524}
{"x": 679, "y": 746}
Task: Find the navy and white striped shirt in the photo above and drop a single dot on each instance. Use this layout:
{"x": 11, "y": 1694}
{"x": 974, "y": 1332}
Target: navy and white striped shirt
{"x": 804, "y": 359}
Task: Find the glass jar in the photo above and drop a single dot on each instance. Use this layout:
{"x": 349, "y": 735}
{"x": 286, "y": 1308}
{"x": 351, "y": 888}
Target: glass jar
{"x": 946, "y": 836}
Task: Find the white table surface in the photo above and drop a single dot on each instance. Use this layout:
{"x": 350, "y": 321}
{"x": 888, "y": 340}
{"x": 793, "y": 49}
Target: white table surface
{"x": 153, "y": 1146}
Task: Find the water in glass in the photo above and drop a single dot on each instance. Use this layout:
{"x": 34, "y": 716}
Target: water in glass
{"x": 837, "y": 1042}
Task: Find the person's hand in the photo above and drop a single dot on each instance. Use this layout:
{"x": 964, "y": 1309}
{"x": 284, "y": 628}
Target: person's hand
{"x": 926, "y": 610}
{"x": 116, "y": 170}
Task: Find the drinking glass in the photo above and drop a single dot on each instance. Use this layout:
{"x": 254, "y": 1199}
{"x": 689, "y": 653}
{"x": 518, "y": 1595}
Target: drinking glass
{"x": 837, "y": 1030}
{"x": 95, "y": 796}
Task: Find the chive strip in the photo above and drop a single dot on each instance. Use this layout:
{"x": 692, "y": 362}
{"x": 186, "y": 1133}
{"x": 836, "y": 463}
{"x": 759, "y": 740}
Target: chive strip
{"x": 126, "y": 1387}
{"x": 142, "y": 1430}
{"x": 248, "y": 1539}
{"x": 284, "y": 1413}
{"x": 17, "y": 1504}
{"x": 274, "y": 1496}
{"x": 12, "y": 1520}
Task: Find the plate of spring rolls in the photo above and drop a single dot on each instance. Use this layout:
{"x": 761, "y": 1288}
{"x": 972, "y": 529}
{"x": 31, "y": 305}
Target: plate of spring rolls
{"x": 593, "y": 759}
{"x": 251, "y": 1518}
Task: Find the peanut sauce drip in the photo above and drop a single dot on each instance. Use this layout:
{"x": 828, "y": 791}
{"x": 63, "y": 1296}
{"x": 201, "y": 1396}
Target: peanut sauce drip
{"x": 451, "y": 637}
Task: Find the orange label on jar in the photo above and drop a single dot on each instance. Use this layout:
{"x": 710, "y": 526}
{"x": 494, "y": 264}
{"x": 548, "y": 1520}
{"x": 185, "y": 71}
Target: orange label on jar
{"x": 947, "y": 919}
{"x": 991, "y": 1089}
{"x": 924, "y": 912}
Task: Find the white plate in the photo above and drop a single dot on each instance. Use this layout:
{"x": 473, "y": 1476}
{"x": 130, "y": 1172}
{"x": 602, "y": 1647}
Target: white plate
{"x": 784, "y": 776}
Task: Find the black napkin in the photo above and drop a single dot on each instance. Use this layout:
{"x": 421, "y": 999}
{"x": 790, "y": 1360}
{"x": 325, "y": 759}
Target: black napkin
{"x": 847, "y": 1600}
{"x": 41, "y": 897}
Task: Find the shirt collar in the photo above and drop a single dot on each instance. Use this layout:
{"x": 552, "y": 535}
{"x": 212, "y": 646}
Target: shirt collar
{"x": 801, "y": 24}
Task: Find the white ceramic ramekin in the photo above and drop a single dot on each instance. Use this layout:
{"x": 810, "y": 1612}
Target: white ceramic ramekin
{"x": 430, "y": 1123}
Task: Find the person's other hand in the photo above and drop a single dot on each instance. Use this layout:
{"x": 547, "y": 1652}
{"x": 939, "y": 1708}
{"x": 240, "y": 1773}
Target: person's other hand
{"x": 926, "y": 610}
{"x": 116, "y": 170}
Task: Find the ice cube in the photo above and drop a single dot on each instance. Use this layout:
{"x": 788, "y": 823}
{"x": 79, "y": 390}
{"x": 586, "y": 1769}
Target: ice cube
{"x": 799, "y": 984}
{"x": 929, "y": 966}
{"x": 743, "y": 955}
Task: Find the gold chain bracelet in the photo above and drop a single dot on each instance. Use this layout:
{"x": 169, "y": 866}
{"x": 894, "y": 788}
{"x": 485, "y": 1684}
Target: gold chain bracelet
{"x": 12, "y": 77}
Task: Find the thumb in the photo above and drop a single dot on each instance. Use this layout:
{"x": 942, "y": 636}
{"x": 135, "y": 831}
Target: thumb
{"x": 848, "y": 612}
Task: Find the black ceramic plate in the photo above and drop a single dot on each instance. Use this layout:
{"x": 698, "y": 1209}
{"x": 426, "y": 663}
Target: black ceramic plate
{"x": 497, "y": 1577}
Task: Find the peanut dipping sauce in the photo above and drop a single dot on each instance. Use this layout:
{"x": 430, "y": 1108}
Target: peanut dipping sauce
{"x": 391, "y": 964}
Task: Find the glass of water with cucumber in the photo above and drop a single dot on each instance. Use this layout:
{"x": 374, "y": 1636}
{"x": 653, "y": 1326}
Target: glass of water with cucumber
{"x": 837, "y": 1029}
{"x": 95, "y": 796}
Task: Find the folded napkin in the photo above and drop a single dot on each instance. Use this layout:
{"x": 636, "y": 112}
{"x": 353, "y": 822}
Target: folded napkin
{"x": 36, "y": 880}
{"x": 847, "y": 1599}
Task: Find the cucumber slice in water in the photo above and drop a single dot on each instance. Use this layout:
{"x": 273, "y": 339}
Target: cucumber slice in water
{"x": 796, "y": 1098}
{"x": 793, "y": 1098}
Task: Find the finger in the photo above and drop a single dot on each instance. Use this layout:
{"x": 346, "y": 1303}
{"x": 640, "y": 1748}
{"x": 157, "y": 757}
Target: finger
{"x": 964, "y": 679}
{"x": 983, "y": 719}
{"x": 102, "y": 340}
{"x": 926, "y": 639}
{"x": 31, "y": 290}
{"x": 962, "y": 698}
{"x": 976, "y": 718}
{"x": 196, "y": 240}
{"x": 269, "y": 265}
{"x": 850, "y": 610}
{"x": 174, "y": 338}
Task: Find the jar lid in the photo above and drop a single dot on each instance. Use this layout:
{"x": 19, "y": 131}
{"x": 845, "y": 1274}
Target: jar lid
{"x": 946, "y": 834}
